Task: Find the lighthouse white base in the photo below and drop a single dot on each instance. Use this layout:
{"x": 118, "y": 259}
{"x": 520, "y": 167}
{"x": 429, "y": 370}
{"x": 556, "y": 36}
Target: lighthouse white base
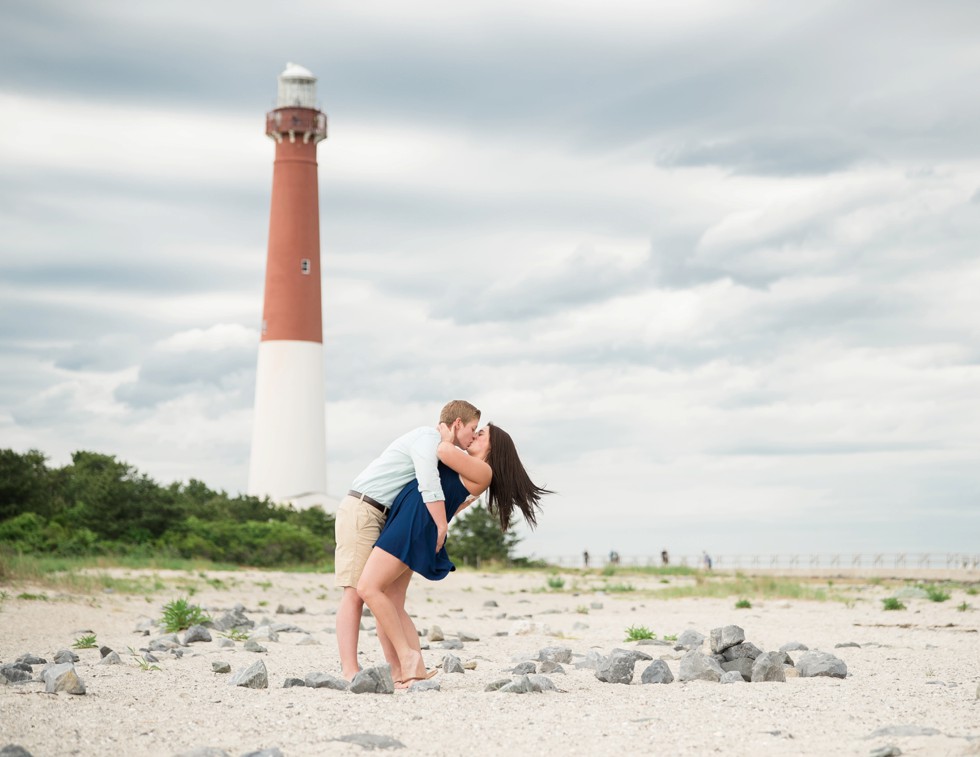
{"x": 289, "y": 444}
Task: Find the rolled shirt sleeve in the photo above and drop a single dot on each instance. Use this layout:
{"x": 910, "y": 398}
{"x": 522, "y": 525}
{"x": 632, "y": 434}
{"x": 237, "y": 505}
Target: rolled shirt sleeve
{"x": 426, "y": 462}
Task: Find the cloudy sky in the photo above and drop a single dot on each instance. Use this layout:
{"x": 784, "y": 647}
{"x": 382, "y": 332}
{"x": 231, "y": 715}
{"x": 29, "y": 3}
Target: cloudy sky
{"x": 713, "y": 263}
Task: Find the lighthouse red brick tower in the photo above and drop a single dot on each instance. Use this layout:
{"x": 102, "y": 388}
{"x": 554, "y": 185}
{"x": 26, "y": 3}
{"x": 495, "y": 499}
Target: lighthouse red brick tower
{"x": 288, "y": 460}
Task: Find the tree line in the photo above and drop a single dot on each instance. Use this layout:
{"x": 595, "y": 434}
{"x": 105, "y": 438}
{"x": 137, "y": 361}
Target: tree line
{"x": 101, "y": 506}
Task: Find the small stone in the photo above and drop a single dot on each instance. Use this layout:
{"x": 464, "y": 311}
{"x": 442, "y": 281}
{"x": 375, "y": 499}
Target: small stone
{"x": 196, "y": 633}
{"x": 424, "y": 685}
{"x": 816, "y": 663}
{"x": 541, "y": 683}
{"x": 14, "y": 750}
{"x": 596, "y": 605}
{"x": 371, "y": 741}
{"x": 616, "y": 668}
{"x": 62, "y": 677}
{"x": 794, "y": 646}
{"x": 111, "y": 659}
{"x": 696, "y": 666}
{"x": 725, "y": 637}
{"x": 845, "y": 644}
{"x": 732, "y": 676}
{"x": 253, "y": 646}
{"x": 290, "y": 683}
{"x": 885, "y": 751}
{"x": 31, "y": 659}
{"x": 470, "y": 665}
{"x": 523, "y": 668}
{"x": 742, "y": 665}
{"x": 521, "y": 685}
{"x": 225, "y": 643}
{"x": 255, "y": 676}
{"x": 555, "y": 654}
{"x": 769, "y": 667}
{"x": 745, "y": 649}
{"x": 65, "y": 655}
{"x": 452, "y": 664}
{"x": 220, "y": 666}
{"x": 689, "y": 639}
{"x": 657, "y": 672}
{"x": 283, "y": 610}
{"x": 451, "y": 644}
{"x": 549, "y": 666}
{"x": 374, "y": 680}
{"x": 497, "y": 685}
{"x": 307, "y": 641}
{"x": 467, "y": 636}
{"x": 436, "y": 634}
{"x": 490, "y": 603}
{"x": 317, "y": 680}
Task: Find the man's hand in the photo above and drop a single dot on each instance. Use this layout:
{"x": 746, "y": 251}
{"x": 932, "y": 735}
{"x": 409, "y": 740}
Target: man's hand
{"x": 438, "y": 512}
{"x": 441, "y": 534}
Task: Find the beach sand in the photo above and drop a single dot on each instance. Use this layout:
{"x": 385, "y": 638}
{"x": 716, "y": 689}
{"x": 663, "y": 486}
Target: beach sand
{"x": 915, "y": 673}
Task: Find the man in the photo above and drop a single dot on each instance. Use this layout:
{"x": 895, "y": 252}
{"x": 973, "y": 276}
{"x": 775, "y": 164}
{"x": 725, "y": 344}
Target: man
{"x": 363, "y": 511}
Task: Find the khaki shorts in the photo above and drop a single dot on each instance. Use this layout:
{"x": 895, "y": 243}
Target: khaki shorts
{"x": 356, "y": 529}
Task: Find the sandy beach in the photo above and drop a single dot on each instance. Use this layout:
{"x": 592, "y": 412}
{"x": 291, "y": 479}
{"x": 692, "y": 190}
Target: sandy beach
{"x": 912, "y": 680}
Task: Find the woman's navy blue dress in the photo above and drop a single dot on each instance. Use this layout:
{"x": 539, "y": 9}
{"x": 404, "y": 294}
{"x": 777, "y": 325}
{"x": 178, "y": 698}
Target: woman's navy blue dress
{"x": 410, "y": 533}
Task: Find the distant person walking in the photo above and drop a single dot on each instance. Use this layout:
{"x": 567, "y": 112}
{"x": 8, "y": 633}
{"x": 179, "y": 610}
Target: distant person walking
{"x": 706, "y": 558}
{"x": 585, "y": 558}
{"x": 664, "y": 558}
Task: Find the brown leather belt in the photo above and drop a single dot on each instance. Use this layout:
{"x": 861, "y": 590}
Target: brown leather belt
{"x": 370, "y": 500}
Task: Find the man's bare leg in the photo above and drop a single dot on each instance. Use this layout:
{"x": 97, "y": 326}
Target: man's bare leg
{"x": 348, "y": 630}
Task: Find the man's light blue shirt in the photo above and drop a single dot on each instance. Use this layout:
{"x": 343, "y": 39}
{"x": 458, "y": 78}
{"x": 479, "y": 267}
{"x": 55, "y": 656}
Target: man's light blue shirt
{"x": 412, "y": 455}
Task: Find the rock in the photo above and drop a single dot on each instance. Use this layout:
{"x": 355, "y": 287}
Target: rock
{"x": 255, "y": 676}
{"x": 65, "y": 655}
{"x": 490, "y": 603}
{"x": 307, "y": 641}
{"x": 689, "y": 639}
{"x": 205, "y": 751}
{"x": 741, "y": 665}
{"x": 31, "y": 659}
{"x": 636, "y": 654}
{"x": 62, "y": 677}
{"x": 497, "y": 685}
{"x": 885, "y": 751}
{"x": 769, "y": 667}
{"x": 220, "y": 666}
{"x": 470, "y": 665}
{"x": 253, "y": 646}
{"x": 467, "y": 636}
{"x": 374, "y": 680}
{"x": 549, "y": 666}
{"x": 271, "y": 751}
{"x": 111, "y": 659}
{"x": 452, "y": 664}
{"x": 523, "y": 668}
{"x": 521, "y": 685}
{"x": 555, "y": 654}
{"x": 224, "y": 643}
{"x": 264, "y": 633}
{"x": 793, "y": 646}
{"x": 596, "y": 605}
{"x": 435, "y": 633}
{"x": 424, "y": 685}
{"x": 617, "y": 667}
{"x": 371, "y": 741}
{"x": 164, "y": 643}
{"x": 745, "y": 649}
{"x": 653, "y": 643}
{"x": 14, "y": 674}
{"x": 290, "y": 683}
{"x": 196, "y": 633}
{"x": 816, "y": 663}
{"x": 451, "y": 644}
{"x": 725, "y": 637}
{"x": 15, "y": 750}
{"x": 235, "y": 619}
{"x": 657, "y": 672}
{"x": 286, "y": 628}
{"x": 695, "y": 666}
{"x": 845, "y": 644}
{"x": 903, "y": 731}
{"x": 528, "y": 627}
{"x": 541, "y": 683}
{"x": 592, "y": 660}
{"x": 732, "y": 676}
{"x": 319, "y": 680}
{"x": 283, "y": 610}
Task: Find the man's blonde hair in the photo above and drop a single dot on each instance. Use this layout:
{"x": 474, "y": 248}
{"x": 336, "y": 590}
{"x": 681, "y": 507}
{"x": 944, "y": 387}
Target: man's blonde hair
{"x": 458, "y": 409}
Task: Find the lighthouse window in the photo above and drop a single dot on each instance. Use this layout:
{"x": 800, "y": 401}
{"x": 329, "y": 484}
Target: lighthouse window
{"x": 305, "y": 265}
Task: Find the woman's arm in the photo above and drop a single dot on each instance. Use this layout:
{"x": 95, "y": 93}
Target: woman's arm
{"x": 474, "y": 473}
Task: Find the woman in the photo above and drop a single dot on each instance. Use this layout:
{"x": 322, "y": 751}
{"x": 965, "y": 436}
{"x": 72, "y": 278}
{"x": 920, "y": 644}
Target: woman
{"x": 410, "y": 541}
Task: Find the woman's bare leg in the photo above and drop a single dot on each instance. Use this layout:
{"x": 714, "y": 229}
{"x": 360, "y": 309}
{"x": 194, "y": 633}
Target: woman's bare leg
{"x": 381, "y": 572}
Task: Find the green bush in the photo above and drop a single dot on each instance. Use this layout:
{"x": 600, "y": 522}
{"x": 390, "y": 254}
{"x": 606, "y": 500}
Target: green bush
{"x": 892, "y": 603}
{"x": 179, "y": 614}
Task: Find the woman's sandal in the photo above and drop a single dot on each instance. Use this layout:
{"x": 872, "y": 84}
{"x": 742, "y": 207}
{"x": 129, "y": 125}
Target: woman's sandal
{"x": 428, "y": 674}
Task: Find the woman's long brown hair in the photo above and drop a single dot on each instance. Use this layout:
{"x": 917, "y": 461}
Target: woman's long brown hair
{"x": 510, "y": 487}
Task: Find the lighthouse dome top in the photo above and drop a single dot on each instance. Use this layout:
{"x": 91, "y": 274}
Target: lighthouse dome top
{"x": 297, "y": 88}
{"x": 296, "y": 71}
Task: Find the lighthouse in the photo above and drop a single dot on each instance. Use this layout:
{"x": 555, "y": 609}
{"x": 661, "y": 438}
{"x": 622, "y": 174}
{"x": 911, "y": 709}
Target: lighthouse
{"x": 288, "y": 458}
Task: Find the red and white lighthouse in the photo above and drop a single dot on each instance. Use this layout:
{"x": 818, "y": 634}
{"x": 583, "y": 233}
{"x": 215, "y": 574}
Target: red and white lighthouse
{"x": 288, "y": 460}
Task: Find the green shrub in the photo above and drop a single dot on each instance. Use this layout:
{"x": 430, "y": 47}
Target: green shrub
{"x": 556, "y": 583}
{"x": 892, "y": 603}
{"x": 179, "y": 614}
{"x": 936, "y": 594}
{"x": 85, "y": 642}
{"x": 743, "y": 604}
{"x": 635, "y": 633}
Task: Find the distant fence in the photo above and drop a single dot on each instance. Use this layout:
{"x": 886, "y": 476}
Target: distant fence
{"x": 790, "y": 561}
